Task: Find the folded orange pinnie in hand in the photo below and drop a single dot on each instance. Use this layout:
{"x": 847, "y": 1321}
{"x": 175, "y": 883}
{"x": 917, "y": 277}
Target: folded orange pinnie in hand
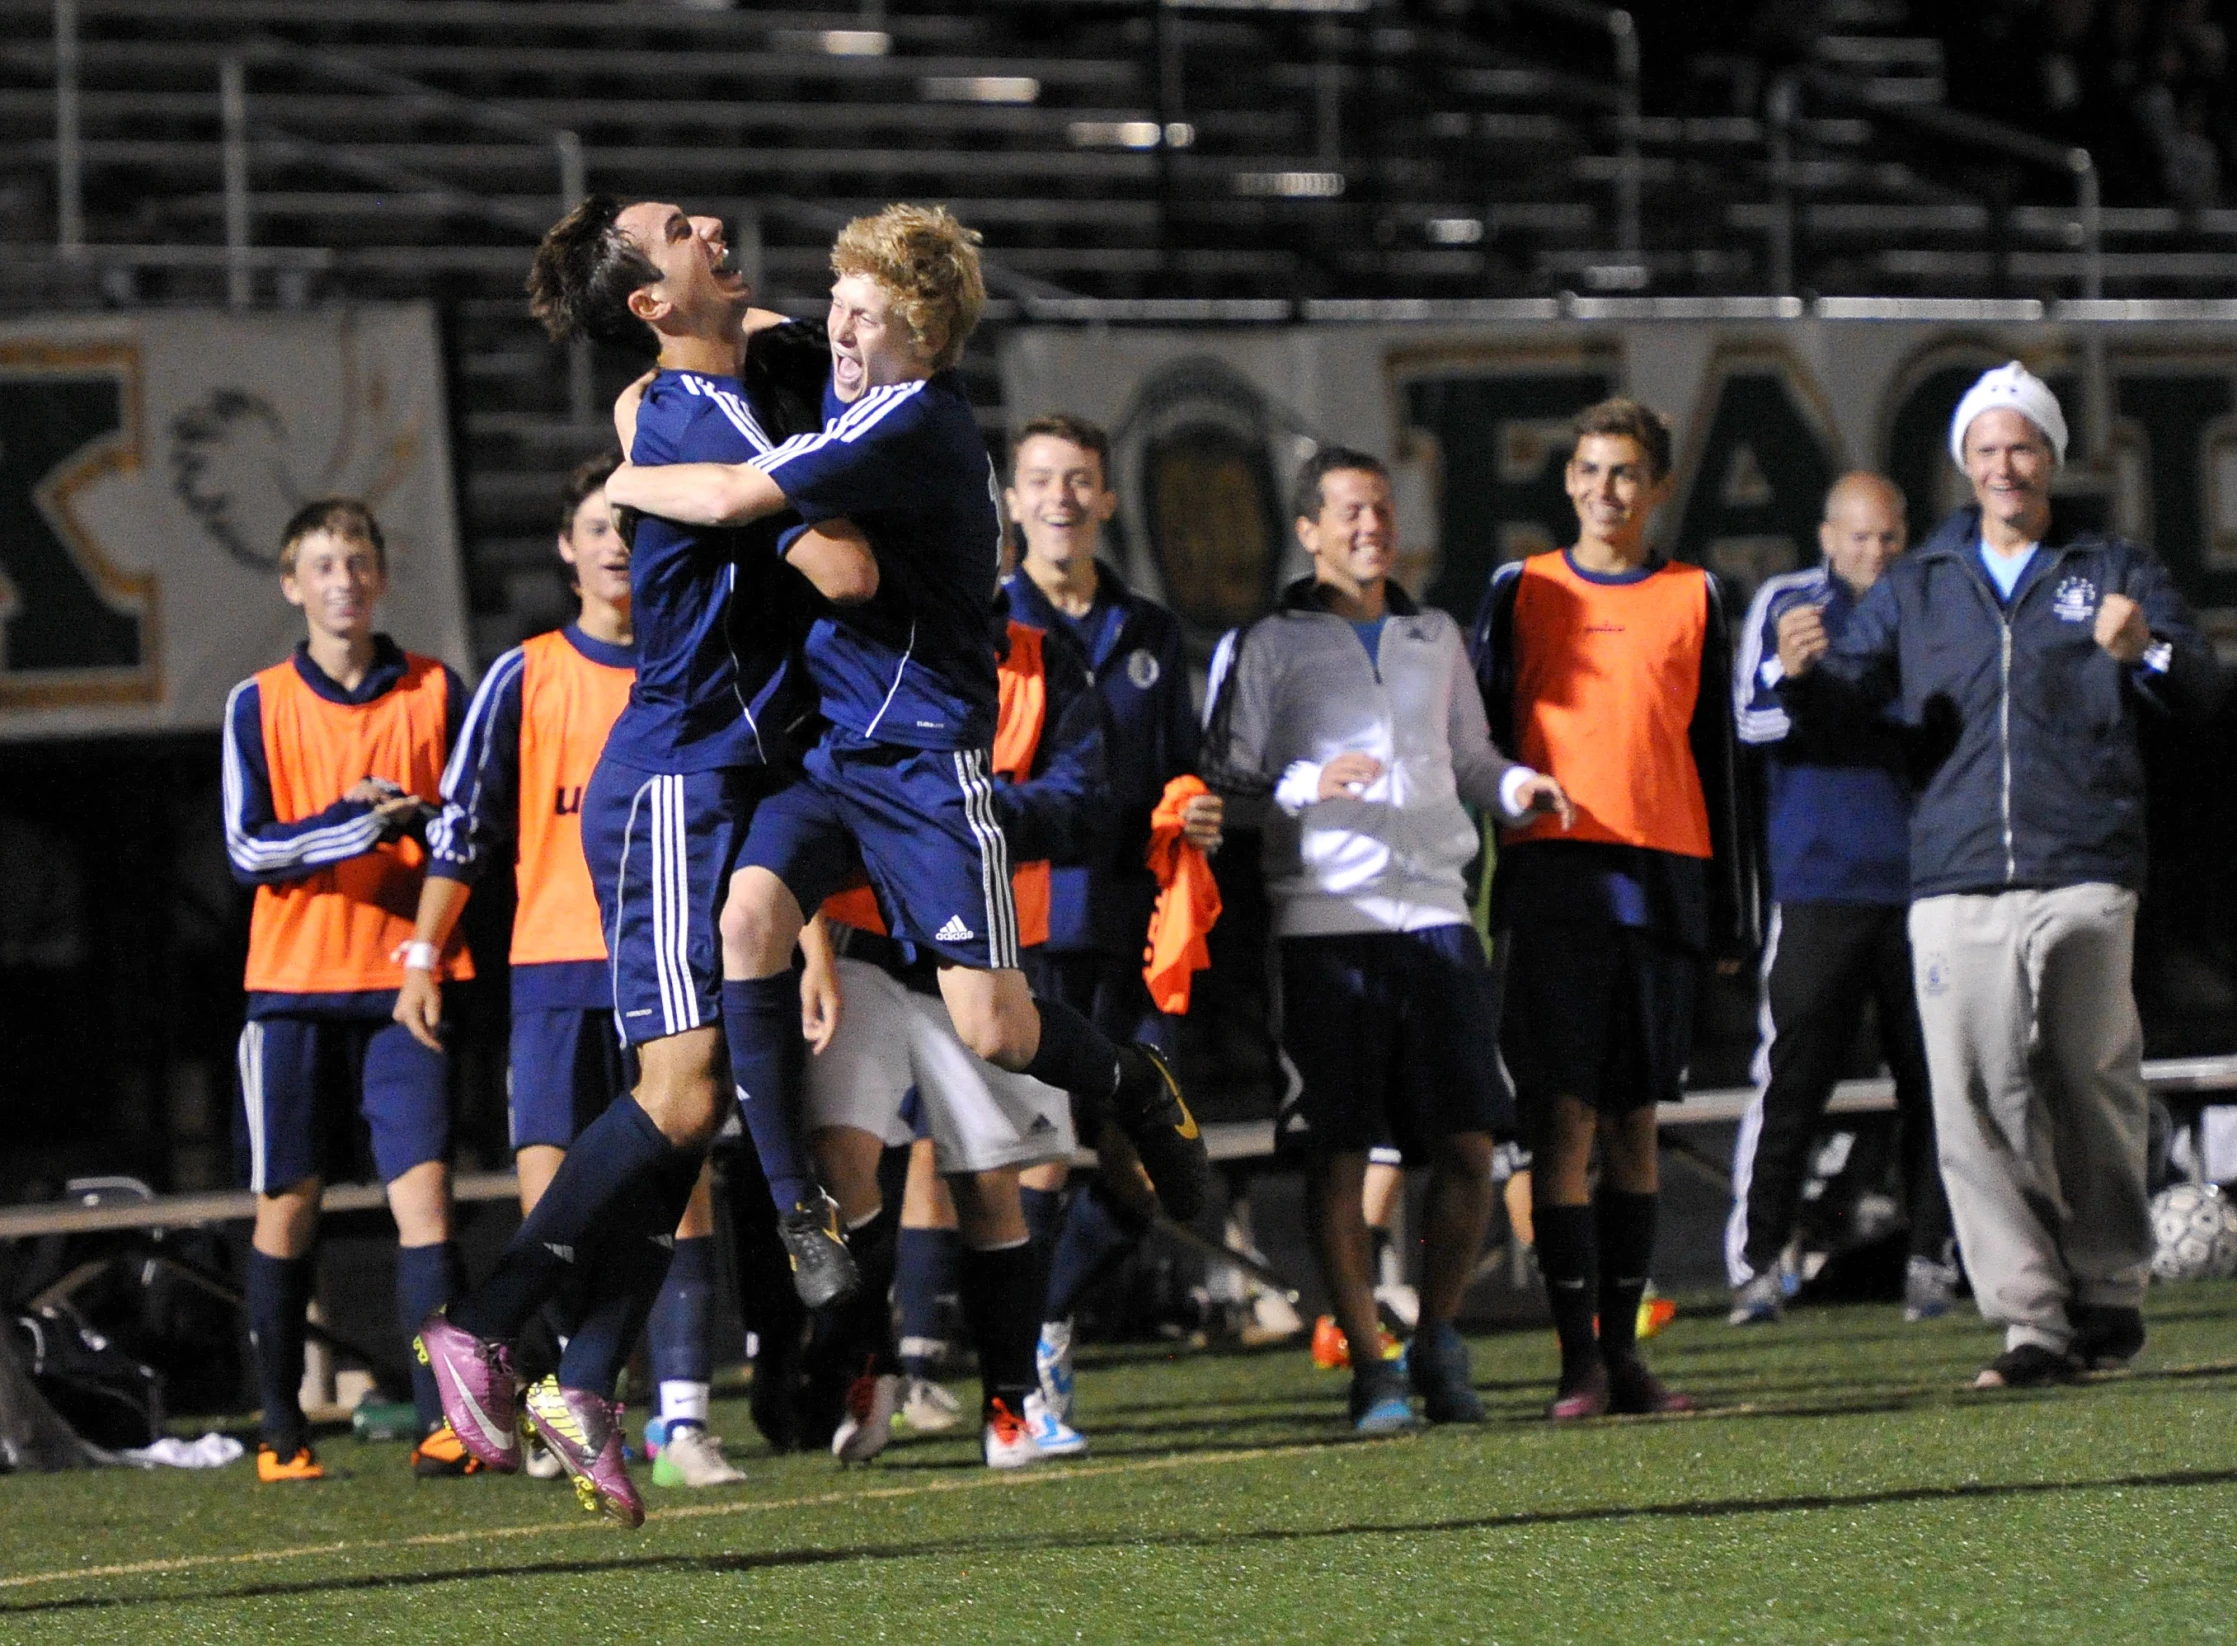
{"x": 1187, "y": 903}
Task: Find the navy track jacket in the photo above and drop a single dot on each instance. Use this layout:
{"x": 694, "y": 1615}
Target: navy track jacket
{"x": 2037, "y": 780}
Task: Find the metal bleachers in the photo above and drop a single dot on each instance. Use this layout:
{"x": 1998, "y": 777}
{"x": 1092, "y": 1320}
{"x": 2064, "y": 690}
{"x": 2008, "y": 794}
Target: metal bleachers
{"x": 1119, "y": 156}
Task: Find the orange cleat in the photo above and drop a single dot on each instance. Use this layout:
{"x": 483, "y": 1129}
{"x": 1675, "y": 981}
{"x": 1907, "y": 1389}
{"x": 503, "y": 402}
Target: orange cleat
{"x": 1655, "y": 1313}
{"x": 443, "y": 1453}
{"x": 1330, "y": 1352}
{"x": 271, "y": 1467}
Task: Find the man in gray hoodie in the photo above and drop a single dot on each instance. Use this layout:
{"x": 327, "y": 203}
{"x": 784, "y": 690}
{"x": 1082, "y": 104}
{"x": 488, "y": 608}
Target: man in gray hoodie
{"x": 1347, "y": 727}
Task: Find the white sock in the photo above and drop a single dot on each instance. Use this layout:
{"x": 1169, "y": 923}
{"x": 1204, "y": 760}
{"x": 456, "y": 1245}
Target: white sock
{"x": 683, "y": 1401}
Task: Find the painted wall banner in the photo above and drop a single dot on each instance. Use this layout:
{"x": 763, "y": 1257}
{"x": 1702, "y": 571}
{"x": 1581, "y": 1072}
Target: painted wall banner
{"x": 1208, "y": 426}
{"x": 147, "y": 466}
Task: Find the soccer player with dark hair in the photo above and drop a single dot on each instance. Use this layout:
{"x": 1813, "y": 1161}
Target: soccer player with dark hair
{"x": 514, "y": 790}
{"x": 1610, "y": 664}
{"x": 333, "y": 761}
{"x": 701, "y": 743}
{"x": 902, "y": 781}
{"x": 1060, "y": 498}
{"x": 1346, "y": 726}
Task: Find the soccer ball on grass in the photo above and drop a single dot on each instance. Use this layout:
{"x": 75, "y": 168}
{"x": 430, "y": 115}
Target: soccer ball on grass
{"x": 2194, "y": 1233}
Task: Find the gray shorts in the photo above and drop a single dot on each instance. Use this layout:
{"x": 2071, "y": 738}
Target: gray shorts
{"x": 891, "y": 1038}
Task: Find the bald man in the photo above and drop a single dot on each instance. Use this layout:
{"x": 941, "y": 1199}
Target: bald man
{"x": 1841, "y": 882}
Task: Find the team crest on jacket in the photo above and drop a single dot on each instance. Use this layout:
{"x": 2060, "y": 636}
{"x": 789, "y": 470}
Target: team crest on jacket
{"x": 1142, "y": 669}
{"x": 2075, "y": 600}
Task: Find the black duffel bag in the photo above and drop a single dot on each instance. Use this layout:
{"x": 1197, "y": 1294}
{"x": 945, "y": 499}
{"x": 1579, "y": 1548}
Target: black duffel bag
{"x": 99, "y": 1390}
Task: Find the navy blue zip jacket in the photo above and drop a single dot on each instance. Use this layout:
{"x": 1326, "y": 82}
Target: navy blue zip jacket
{"x": 2037, "y": 780}
{"x": 1141, "y": 672}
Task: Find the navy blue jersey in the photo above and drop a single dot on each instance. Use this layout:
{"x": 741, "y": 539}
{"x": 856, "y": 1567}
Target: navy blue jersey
{"x": 912, "y": 665}
{"x": 708, "y": 689}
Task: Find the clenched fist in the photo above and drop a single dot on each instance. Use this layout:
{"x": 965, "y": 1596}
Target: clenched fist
{"x": 1802, "y": 639}
{"x": 2121, "y": 629}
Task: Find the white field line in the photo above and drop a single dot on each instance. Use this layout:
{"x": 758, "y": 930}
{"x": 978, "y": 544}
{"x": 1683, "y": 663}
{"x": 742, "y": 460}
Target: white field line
{"x": 984, "y": 1480}
{"x": 981, "y": 1481}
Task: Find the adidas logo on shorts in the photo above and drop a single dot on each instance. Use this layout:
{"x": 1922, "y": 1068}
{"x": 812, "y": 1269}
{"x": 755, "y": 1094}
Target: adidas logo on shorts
{"x": 565, "y": 1254}
{"x": 955, "y": 931}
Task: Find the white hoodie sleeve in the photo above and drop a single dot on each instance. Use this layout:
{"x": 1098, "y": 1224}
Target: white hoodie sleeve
{"x": 1484, "y": 776}
{"x": 1236, "y": 720}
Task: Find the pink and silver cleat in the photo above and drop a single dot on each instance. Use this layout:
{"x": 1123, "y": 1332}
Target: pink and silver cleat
{"x": 583, "y": 1431}
{"x": 475, "y": 1378}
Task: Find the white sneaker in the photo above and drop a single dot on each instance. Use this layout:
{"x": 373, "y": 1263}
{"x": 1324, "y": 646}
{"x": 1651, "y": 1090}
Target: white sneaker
{"x": 928, "y": 1408}
{"x": 690, "y": 1456}
{"x": 1402, "y": 1303}
{"x": 1052, "y": 1363}
{"x": 1008, "y": 1443}
{"x": 868, "y": 1426}
{"x": 537, "y": 1461}
{"x": 1051, "y": 1434}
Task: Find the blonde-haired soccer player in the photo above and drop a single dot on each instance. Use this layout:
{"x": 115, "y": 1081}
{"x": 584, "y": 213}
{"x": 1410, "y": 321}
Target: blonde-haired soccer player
{"x": 903, "y": 778}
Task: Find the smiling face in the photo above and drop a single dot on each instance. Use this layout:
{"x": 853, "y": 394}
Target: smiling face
{"x": 1863, "y": 529}
{"x": 1613, "y": 487}
{"x": 338, "y": 581}
{"x": 700, "y": 292}
{"x": 871, "y": 344}
{"x": 2010, "y": 462}
{"x": 596, "y": 552}
{"x": 1060, "y": 499}
{"x": 1354, "y": 538}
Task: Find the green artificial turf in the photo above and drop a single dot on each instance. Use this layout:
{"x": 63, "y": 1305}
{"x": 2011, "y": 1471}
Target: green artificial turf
{"x": 1841, "y": 1487}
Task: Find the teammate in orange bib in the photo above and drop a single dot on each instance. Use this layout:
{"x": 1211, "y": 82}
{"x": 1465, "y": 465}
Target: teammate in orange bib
{"x": 332, "y": 764}
{"x": 1608, "y": 664}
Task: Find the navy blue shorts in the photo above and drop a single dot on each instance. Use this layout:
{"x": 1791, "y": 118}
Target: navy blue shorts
{"x": 1394, "y": 1039}
{"x": 298, "y": 1078}
{"x": 921, "y": 822}
{"x": 661, "y": 848}
{"x": 1597, "y": 1012}
{"x": 567, "y": 1065}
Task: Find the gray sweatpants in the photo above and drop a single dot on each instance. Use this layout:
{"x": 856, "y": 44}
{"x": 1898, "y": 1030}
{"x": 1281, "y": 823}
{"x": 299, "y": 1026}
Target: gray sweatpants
{"x": 2036, "y": 1057}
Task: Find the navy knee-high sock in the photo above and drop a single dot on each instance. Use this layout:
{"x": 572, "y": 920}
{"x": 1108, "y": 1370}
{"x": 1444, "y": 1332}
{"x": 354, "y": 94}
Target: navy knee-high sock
{"x": 612, "y": 1153}
{"x": 1044, "y": 1221}
{"x": 999, "y": 1305}
{"x": 1074, "y": 1055}
{"x": 636, "y": 1241}
{"x": 868, "y": 1315}
{"x": 1571, "y": 1268}
{"x": 924, "y": 1273}
{"x": 427, "y": 1277}
{"x": 279, "y": 1291}
{"x": 1624, "y": 1224}
{"x": 676, "y": 1331}
{"x": 761, "y": 1020}
{"x": 1098, "y": 1232}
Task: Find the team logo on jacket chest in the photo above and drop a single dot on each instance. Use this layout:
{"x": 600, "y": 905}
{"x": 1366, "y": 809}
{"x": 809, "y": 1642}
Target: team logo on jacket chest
{"x": 2075, "y": 601}
{"x": 1142, "y": 669}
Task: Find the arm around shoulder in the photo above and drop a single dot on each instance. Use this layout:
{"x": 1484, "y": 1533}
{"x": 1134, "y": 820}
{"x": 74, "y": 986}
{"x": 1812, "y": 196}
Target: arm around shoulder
{"x": 697, "y": 494}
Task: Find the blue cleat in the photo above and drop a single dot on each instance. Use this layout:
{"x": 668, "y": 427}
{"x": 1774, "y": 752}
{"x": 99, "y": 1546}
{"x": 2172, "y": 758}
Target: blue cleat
{"x": 1437, "y": 1366}
{"x": 1379, "y": 1405}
